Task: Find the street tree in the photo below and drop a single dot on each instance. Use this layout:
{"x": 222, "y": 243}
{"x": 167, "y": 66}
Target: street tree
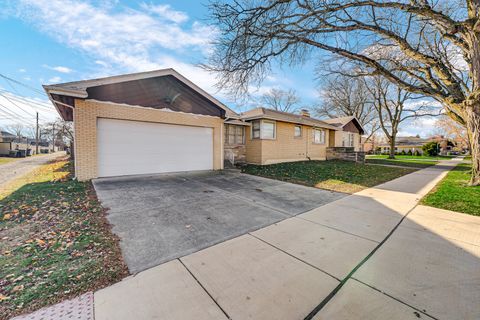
{"x": 433, "y": 46}
{"x": 281, "y": 100}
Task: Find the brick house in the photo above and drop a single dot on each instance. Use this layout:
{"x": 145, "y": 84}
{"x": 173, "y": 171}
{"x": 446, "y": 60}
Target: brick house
{"x": 159, "y": 121}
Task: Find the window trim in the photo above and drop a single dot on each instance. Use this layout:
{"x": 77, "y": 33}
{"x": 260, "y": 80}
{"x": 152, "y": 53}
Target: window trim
{"x": 324, "y": 136}
{"x": 234, "y": 127}
{"x": 295, "y": 131}
{"x": 260, "y": 129}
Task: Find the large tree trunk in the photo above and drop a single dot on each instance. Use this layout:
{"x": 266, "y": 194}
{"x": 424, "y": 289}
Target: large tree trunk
{"x": 473, "y": 128}
{"x": 392, "y": 148}
{"x": 472, "y": 105}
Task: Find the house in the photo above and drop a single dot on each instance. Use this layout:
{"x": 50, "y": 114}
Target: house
{"x": 413, "y": 144}
{"x": 159, "y": 121}
{"x": 276, "y": 136}
{"x": 350, "y": 134}
{"x": 6, "y": 141}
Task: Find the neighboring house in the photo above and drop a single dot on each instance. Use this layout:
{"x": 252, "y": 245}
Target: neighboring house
{"x": 413, "y": 144}
{"x": 350, "y": 134}
{"x": 276, "y": 136}
{"x": 6, "y": 141}
{"x": 159, "y": 121}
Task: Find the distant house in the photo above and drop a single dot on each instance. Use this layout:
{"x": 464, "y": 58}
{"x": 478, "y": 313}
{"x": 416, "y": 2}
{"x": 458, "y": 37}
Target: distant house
{"x": 414, "y": 144}
{"x": 6, "y": 141}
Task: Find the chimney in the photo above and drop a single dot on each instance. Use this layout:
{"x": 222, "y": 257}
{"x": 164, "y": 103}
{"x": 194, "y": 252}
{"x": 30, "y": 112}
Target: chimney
{"x": 305, "y": 113}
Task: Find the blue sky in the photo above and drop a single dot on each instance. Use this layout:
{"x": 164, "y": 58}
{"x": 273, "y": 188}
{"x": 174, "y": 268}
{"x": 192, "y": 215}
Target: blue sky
{"x": 51, "y": 41}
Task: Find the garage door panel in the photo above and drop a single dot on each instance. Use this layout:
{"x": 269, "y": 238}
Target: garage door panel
{"x": 132, "y": 147}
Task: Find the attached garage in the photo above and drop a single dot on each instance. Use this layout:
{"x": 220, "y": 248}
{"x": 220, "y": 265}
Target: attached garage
{"x": 142, "y": 123}
{"x": 134, "y": 147}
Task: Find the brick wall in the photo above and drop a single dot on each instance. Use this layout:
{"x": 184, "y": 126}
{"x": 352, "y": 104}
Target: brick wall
{"x": 285, "y": 147}
{"x": 345, "y": 153}
{"x": 85, "y": 116}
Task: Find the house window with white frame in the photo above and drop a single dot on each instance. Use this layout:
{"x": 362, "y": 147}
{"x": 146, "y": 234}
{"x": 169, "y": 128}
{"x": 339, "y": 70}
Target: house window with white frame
{"x": 348, "y": 140}
{"x": 263, "y": 129}
{"x": 234, "y": 134}
{"x": 298, "y": 131}
{"x": 318, "y": 136}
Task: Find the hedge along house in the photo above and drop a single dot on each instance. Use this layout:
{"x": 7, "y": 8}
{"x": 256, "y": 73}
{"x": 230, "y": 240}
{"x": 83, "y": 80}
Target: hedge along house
{"x": 142, "y": 123}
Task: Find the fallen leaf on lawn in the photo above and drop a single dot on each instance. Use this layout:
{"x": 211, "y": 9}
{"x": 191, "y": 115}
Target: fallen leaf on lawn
{"x": 7, "y": 216}
{"x": 18, "y": 288}
{"x": 40, "y": 242}
{"x": 3, "y": 298}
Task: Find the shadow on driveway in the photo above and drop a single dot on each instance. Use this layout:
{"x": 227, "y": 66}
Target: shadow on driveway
{"x": 163, "y": 217}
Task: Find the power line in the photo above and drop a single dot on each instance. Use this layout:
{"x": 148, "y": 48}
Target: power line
{"x": 16, "y": 105}
{"x": 22, "y": 84}
{"x": 30, "y": 101}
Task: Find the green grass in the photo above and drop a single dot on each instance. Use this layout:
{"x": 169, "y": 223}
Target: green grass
{"x": 342, "y": 176}
{"x": 5, "y": 160}
{"x": 383, "y": 156}
{"x": 453, "y": 192}
{"x": 415, "y": 163}
{"x": 56, "y": 242}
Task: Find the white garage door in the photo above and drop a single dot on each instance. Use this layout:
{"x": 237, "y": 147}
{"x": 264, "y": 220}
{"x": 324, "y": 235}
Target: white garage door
{"x": 132, "y": 147}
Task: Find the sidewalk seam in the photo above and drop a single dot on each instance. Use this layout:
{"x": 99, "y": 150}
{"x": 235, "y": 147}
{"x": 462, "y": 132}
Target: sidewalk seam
{"x": 332, "y": 294}
{"x": 204, "y": 289}
{"x": 361, "y": 263}
{"x": 296, "y": 258}
{"x": 396, "y": 299}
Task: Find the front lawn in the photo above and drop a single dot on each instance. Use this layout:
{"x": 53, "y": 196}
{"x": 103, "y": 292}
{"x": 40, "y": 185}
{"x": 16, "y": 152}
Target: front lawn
{"x": 342, "y": 176}
{"x": 453, "y": 193}
{"x": 414, "y": 163}
{"x": 5, "y": 160}
{"x": 383, "y": 156}
{"x": 56, "y": 242}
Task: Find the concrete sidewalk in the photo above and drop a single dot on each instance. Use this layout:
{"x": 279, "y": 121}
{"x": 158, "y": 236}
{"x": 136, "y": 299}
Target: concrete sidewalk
{"x": 371, "y": 255}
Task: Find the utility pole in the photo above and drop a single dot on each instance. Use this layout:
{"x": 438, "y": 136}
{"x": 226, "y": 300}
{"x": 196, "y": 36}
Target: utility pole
{"x": 36, "y": 137}
{"x": 53, "y": 138}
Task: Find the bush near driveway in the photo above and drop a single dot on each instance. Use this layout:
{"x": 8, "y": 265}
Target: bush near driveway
{"x": 335, "y": 175}
{"x": 453, "y": 192}
{"x": 56, "y": 242}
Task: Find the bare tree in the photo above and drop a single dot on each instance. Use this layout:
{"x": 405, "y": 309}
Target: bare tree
{"x": 433, "y": 46}
{"x": 18, "y": 130}
{"x": 395, "y": 105}
{"x": 281, "y": 100}
{"x": 348, "y": 96}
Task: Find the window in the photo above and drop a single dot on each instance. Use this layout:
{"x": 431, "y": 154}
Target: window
{"x": 234, "y": 134}
{"x": 268, "y": 130}
{"x": 347, "y": 140}
{"x": 318, "y": 136}
{"x": 350, "y": 139}
{"x": 298, "y": 131}
{"x": 263, "y": 129}
{"x": 256, "y": 129}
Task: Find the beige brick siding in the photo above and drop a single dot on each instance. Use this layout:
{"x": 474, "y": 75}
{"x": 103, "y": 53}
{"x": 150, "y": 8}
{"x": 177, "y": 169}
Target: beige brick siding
{"x": 285, "y": 147}
{"x": 85, "y": 116}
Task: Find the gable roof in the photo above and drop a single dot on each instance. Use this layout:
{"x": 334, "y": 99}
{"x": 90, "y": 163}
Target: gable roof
{"x": 78, "y": 89}
{"x": 265, "y": 113}
{"x": 343, "y": 121}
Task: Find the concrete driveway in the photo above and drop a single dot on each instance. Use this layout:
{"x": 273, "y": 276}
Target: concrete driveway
{"x": 163, "y": 217}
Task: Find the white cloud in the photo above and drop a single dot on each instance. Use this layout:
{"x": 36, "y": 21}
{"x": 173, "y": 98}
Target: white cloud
{"x": 22, "y": 70}
{"x": 27, "y": 78}
{"x": 59, "y": 68}
{"x": 54, "y": 80}
{"x": 165, "y": 11}
{"x": 125, "y": 40}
